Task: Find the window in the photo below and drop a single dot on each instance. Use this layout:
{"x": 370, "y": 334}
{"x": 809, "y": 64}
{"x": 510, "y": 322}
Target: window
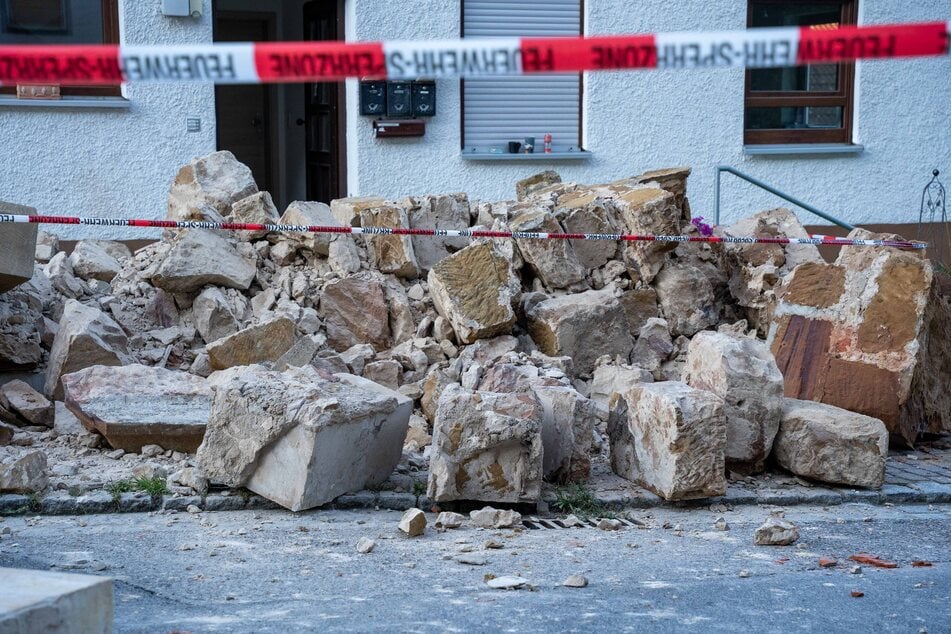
{"x": 802, "y": 104}
{"x": 500, "y": 110}
{"x": 61, "y": 22}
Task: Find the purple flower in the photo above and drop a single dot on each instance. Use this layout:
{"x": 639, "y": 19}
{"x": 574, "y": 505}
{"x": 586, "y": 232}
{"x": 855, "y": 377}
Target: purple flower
{"x": 701, "y": 226}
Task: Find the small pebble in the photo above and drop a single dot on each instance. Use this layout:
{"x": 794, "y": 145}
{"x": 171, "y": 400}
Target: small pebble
{"x": 575, "y": 581}
{"x": 365, "y": 545}
{"x": 855, "y": 570}
{"x": 744, "y": 574}
{"x": 721, "y": 524}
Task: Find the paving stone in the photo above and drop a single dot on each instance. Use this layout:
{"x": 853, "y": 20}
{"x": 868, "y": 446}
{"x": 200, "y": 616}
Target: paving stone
{"x": 934, "y": 492}
{"x": 224, "y": 503}
{"x": 14, "y": 504}
{"x": 897, "y": 494}
{"x": 138, "y": 503}
{"x": 181, "y": 503}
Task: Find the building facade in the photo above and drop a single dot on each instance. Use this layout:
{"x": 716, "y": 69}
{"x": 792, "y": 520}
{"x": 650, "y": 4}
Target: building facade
{"x": 858, "y": 141}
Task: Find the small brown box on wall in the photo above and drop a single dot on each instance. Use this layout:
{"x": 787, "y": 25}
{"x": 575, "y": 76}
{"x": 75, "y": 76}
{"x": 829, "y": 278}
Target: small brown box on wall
{"x": 387, "y": 129}
{"x": 38, "y": 91}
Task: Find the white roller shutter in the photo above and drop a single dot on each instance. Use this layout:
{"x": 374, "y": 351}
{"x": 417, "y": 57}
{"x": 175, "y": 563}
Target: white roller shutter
{"x": 503, "y": 109}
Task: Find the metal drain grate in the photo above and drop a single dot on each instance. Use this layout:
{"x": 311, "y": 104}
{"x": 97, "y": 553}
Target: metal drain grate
{"x": 535, "y": 523}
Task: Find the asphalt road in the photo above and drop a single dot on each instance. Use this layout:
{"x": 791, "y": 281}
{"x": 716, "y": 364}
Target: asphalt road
{"x": 274, "y": 571}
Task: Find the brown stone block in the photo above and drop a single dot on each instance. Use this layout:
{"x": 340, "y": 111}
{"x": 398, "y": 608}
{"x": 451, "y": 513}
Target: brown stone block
{"x": 888, "y": 324}
{"x": 815, "y": 284}
{"x": 801, "y": 347}
{"x": 863, "y": 388}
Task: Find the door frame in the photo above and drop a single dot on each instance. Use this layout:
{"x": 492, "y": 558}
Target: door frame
{"x": 274, "y": 122}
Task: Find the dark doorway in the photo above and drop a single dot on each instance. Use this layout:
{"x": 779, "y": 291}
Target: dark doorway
{"x": 325, "y": 110}
{"x": 244, "y": 112}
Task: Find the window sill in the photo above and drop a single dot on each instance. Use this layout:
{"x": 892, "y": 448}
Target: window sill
{"x": 112, "y": 103}
{"x": 802, "y": 148}
{"x": 582, "y": 155}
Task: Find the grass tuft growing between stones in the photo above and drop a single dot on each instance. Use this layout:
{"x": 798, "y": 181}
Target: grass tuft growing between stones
{"x": 578, "y": 499}
{"x": 153, "y": 486}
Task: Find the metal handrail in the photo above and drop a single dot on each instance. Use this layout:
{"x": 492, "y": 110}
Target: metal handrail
{"x": 772, "y": 190}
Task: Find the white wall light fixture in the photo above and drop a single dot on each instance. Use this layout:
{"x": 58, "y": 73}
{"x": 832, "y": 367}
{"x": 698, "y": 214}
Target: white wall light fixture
{"x": 182, "y": 8}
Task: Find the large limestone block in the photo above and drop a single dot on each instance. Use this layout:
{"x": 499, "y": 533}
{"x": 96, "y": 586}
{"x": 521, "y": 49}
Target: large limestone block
{"x": 609, "y": 380}
{"x": 299, "y": 439}
{"x": 304, "y": 213}
{"x": 112, "y": 401}
{"x": 528, "y": 186}
{"x": 19, "y": 398}
{"x": 355, "y": 312}
{"x": 868, "y": 334}
{"x": 486, "y": 447}
{"x": 582, "y": 326}
{"x": 17, "y": 247}
{"x": 256, "y": 209}
{"x": 673, "y": 180}
{"x": 91, "y": 262}
{"x": 568, "y": 422}
{"x": 827, "y": 443}
{"x": 43, "y": 601}
{"x": 553, "y": 261}
{"x": 743, "y": 372}
{"x": 648, "y": 210}
{"x": 259, "y": 343}
{"x": 25, "y": 473}
{"x": 216, "y": 181}
{"x": 438, "y": 212}
{"x": 590, "y": 216}
{"x": 214, "y": 315}
{"x": 653, "y": 345}
{"x": 86, "y": 337}
{"x": 686, "y": 299}
{"x": 390, "y": 253}
{"x": 198, "y": 258}
{"x": 475, "y": 290}
{"x": 672, "y": 441}
{"x": 348, "y": 211}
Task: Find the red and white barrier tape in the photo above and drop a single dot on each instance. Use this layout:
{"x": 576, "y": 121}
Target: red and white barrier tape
{"x": 328, "y": 61}
{"x": 449, "y": 233}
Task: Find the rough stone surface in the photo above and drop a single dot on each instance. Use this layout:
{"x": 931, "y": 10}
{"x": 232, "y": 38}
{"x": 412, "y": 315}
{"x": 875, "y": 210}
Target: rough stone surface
{"x": 448, "y": 519}
{"x": 486, "y": 447}
{"x": 742, "y": 372}
{"x": 528, "y": 186}
{"x": 868, "y": 334}
{"x": 24, "y": 474}
{"x": 109, "y": 400}
{"x": 594, "y": 216}
{"x": 19, "y": 398}
{"x": 826, "y": 443}
{"x": 413, "y": 523}
{"x": 17, "y": 248}
{"x": 653, "y": 345}
{"x": 198, "y": 258}
{"x": 488, "y": 517}
{"x": 355, "y": 312}
{"x": 217, "y": 181}
{"x": 639, "y": 306}
{"x": 307, "y": 214}
{"x": 255, "y": 344}
{"x": 214, "y": 315}
{"x": 648, "y": 210}
{"x": 43, "y": 601}
{"x": 299, "y": 439}
{"x": 257, "y": 209}
{"x": 437, "y": 212}
{"x": 91, "y": 262}
{"x": 776, "y": 531}
{"x": 568, "y": 422}
{"x": 348, "y": 211}
{"x": 475, "y": 289}
{"x": 86, "y": 337}
{"x": 610, "y": 379}
{"x": 671, "y": 440}
{"x": 686, "y": 299}
{"x": 390, "y": 254}
{"x": 562, "y": 326}
{"x": 553, "y": 261}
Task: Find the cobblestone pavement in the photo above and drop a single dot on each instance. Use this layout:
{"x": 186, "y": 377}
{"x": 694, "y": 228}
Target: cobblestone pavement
{"x": 916, "y": 476}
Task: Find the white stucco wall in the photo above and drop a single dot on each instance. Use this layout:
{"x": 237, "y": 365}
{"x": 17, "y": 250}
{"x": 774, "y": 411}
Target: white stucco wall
{"x": 105, "y": 162}
{"x": 636, "y": 121}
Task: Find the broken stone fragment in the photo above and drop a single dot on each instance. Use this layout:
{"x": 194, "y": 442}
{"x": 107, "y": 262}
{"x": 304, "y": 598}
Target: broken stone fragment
{"x": 647, "y": 210}
{"x": 553, "y": 261}
{"x": 86, "y": 337}
{"x": 300, "y": 439}
{"x": 639, "y": 306}
{"x": 18, "y": 397}
{"x": 587, "y": 215}
{"x": 686, "y": 299}
{"x": 475, "y": 289}
{"x": 826, "y": 443}
{"x": 562, "y": 326}
{"x": 390, "y": 253}
{"x": 413, "y": 523}
{"x": 486, "y": 447}
{"x": 568, "y": 422}
{"x": 91, "y": 262}
{"x": 742, "y": 372}
{"x": 488, "y": 517}
{"x": 575, "y": 581}
{"x": 214, "y": 315}
{"x": 437, "y": 212}
{"x": 17, "y": 248}
{"x": 355, "y": 312}
{"x": 200, "y": 258}
{"x": 258, "y": 209}
{"x": 255, "y": 344}
{"x": 528, "y": 186}
{"x": 448, "y": 519}
{"x": 365, "y": 545}
{"x": 307, "y": 214}
{"x": 24, "y": 474}
{"x": 670, "y": 438}
{"x": 347, "y": 211}
{"x": 610, "y": 379}
{"x": 776, "y": 531}
{"x": 109, "y": 400}
{"x": 653, "y": 345}
{"x": 190, "y": 477}
{"x": 217, "y": 180}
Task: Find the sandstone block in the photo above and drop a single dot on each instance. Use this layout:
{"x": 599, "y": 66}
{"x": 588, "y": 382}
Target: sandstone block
{"x": 595, "y": 216}
{"x": 262, "y": 342}
{"x": 390, "y": 254}
{"x": 413, "y": 523}
{"x": 109, "y": 400}
{"x": 198, "y": 258}
{"x": 216, "y": 180}
{"x": 673, "y": 440}
{"x": 609, "y": 380}
{"x": 24, "y": 474}
{"x": 527, "y": 186}
{"x": 19, "y": 398}
{"x": 438, "y": 212}
{"x": 303, "y": 213}
{"x": 347, "y": 211}
{"x": 562, "y": 326}
{"x": 553, "y": 261}
{"x": 639, "y": 306}
{"x": 475, "y": 289}
{"x": 686, "y": 299}
{"x": 17, "y": 248}
{"x": 743, "y": 372}
{"x": 648, "y": 210}
{"x": 214, "y": 315}
{"x": 488, "y": 517}
{"x": 258, "y": 208}
{"x": 568, "y": 421}
{"x": 824, "y": 442}
{"x": 653, "y": 345}
{"x": 355, "y": 311}
{"x": 486, "y": 447}
{"x": 299, "y": 439}
{"x": 86, "y": 337}
{"x": 91, "y": 262}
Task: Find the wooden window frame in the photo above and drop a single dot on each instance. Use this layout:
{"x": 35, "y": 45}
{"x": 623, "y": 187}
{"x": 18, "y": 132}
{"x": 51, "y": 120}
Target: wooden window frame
{"x": 844, "y": 97}
{"x": 462, "y": 83}
{"x": 110, "y": 35}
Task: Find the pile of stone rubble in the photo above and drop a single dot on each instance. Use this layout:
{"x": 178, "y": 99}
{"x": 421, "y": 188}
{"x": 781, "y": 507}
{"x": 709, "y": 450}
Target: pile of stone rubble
{"x": 306, "y": 366}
